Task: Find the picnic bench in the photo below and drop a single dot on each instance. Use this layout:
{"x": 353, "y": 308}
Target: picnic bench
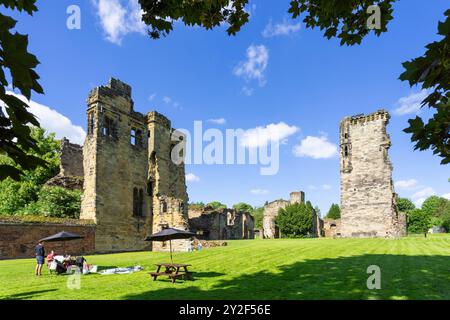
{"x": 172, "y": 270}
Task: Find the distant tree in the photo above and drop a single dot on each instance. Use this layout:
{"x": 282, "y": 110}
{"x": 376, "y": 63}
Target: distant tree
{"x": 16, "y": 195}
{"x": 436, "y": 206}
{"x": 419, "y": 221}
{"x": 334, "y": 212}
{"x": 258, "y": 215}
{"x": 196, "y": 205}
{"x": 295, "y": 221}
{"x": 217, "y": 205}
{"x": 349, "y": 22}
{"x": 405, "y": 205}
{"x": 243, "y": 207}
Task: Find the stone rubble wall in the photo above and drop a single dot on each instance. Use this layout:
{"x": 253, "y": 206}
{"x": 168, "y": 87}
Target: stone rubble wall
{"x": 367, "y": 191}
{"x": 17, "y": 240}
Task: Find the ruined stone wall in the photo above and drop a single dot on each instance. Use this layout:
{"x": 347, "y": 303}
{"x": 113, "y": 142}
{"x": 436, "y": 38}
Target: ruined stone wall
{"x": 226, "y": 224}
{"x": 114, "y": 169}
{"x": 71, "y": 171}
{"x": 71, "y": 159}
{"x": 332, "y": 228}
{"x": 167, "y": 180}
{"x": 367, "y": 191}
{"x": 17, "y": 240}
{"x": 270, "y": 213}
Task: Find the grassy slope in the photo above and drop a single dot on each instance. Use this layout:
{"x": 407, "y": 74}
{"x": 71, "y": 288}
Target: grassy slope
{"x": 412, "y": 268}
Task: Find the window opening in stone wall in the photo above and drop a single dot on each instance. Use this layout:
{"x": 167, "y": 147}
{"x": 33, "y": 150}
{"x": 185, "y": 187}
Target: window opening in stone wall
{"x": 133, "y": 137}
{"x": 91, "y": 123}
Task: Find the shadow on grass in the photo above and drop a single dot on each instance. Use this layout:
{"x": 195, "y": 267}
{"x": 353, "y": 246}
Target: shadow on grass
{"x": 27, "y": 295}
{"x": 402, "y": 277}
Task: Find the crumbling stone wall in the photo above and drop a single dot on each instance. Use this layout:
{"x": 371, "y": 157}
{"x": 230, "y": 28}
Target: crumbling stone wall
{"x": 332, "y": 228}
{"x": 131, "y": 187}
{"x": 17, "y": 240}
{"x": 226, "y": 224}
{"x": 71, "y": 171}
{"x": 367, "y": 191}
{"x": 271, "y": 210}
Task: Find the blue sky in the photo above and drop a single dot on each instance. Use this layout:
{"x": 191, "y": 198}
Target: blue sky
{"x": 296, "y": 77}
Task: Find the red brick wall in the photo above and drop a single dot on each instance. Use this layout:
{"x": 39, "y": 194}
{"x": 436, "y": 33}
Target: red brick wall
{"x": 19, "y": 239}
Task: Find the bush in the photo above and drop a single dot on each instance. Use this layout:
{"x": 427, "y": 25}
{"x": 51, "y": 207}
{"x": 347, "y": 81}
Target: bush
{"x": 14, "y": 195}
{"x": 296, "y": 220}
{"x": 419, "y": 221}
{"x": 56, "y": 202}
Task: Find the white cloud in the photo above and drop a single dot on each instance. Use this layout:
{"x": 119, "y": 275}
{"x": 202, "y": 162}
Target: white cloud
{"x": 411, "y": 103}
{"x": 190, "y": 177}
{"x": 152, "y": 97}
{"x": 259, "y": 192}
{"x": 446, "y": 196}
{"x": 54, "y": 122}
{"x": 284, "y": 28}
{"x": 247, "y": 91}
{"x": 119, "y": 18}
{"x": 407, "y": 184}
{"x": 420, "y": 196}
{"x": 167, "y": 99}
{"x": 316, "y": 148}
{"x": 262, "y": 136}
{"x": 220, "y": 121}
{"x": 255, "y": 65}
{"x": 326, "y": 187}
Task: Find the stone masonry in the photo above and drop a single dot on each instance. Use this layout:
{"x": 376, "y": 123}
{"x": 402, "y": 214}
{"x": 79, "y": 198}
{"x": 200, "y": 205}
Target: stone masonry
{"x": 132, "y": 188}
{"x": 71, "y": 167}
{"x": 271, "y": 210}
{"x": 224, "y": 224}
{"x": 368, "y": 200}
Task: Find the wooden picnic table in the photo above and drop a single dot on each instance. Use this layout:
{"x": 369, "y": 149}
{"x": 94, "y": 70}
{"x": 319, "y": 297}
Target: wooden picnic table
{"x": 172, "y": 270}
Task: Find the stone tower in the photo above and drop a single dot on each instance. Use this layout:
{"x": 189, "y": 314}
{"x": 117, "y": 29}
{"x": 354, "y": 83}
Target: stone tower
{"x": 130, "y": 183}
{"x": 368, "y": 200}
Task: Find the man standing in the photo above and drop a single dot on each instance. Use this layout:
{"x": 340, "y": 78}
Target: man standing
{"x": 40, "y": 257}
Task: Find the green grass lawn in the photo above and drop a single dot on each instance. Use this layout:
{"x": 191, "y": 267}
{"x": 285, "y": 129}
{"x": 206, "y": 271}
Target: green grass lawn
{"x": 412, "y": 268}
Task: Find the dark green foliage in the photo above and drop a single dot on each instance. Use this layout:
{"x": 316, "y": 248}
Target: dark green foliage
{"x": 405, "y": 205}
{"x": 295, "y": 221}
{"x": 334, "y": 212}
{"x": 344, "y": 19}
{"x": 432, "y": 71}
{"x": 161, "y": 15}
{"x": 419, "y": 221}
{"x": 15, "y": 134}
{"x": 216, "y": 205}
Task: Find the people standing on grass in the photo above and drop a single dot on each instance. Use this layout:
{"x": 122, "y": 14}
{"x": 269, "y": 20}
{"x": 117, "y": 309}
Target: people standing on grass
{"x": 40, "y": 257}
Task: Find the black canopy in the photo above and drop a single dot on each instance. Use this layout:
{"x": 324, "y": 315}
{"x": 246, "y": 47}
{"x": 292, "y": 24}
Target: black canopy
{"x": 62, "y": 236}
{"x": 170, "y": 234}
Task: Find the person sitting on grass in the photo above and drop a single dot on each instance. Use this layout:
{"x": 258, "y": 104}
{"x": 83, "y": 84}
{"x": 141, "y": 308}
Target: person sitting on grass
{"x": 51, "y": 257}
{"x": 40, "y": 258}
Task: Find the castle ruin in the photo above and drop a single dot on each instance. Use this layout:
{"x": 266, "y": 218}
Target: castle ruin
{"x": 368, "y": 199}
{"x": 132, "y": 188}
{"x": 271, "y": 210}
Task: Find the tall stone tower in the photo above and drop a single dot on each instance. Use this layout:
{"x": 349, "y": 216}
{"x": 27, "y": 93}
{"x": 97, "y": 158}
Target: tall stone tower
{"x": 127, "y": 172}
{"x": 368, "y": 200}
